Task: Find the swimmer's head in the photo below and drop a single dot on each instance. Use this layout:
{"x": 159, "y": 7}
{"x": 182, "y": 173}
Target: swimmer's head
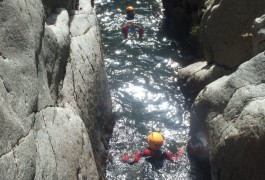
{"x": 129, "y": 9}
{"x": 155, "y": 140}
{"x": 130, "y": 12}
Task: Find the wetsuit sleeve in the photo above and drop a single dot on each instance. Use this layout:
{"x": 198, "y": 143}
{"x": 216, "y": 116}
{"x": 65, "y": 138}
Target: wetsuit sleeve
{"x": 169, "y": 156}
{"x": 124, "y": 30}
{"x": 146, "y": 153}
{"x": 178, "y": 155}
{"x": 125, "y": 158}
{"x": 174, "y": 157}
{"x": 136, "y": 158}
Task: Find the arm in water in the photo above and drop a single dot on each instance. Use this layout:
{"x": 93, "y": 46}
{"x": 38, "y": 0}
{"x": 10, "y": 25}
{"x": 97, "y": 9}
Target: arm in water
{"x": 150, "y": 153}
{"x": 135, "y": 159}
{"x": 155, "y": 141}
{"x": 175, "y": 157}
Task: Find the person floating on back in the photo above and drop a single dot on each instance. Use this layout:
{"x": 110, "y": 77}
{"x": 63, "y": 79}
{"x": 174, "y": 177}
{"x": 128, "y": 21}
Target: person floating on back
{"x": 131, "y": 25}
{"x": 155, "y": 142}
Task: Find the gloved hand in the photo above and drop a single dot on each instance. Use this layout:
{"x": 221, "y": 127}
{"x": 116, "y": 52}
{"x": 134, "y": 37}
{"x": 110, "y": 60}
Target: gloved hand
{"x": 125, "y": 158}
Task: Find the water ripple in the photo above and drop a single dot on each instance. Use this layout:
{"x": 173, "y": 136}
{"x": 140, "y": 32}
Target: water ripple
{"x": 143, "y": 89}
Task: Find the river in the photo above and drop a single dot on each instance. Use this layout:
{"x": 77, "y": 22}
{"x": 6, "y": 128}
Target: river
{"x": 145, "y": 95}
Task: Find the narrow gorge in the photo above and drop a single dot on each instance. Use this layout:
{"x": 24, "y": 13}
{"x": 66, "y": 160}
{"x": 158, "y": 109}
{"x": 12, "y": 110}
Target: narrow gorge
{"x": 75, "y": 94}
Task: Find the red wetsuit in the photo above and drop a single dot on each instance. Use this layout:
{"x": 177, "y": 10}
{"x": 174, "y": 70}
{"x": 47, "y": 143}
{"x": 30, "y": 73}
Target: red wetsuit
{"x": 149, "y": 153}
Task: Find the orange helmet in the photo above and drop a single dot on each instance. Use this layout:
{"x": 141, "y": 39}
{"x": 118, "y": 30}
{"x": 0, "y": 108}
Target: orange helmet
{"x": 129, "y": 9}
{"x": 155, "y": 140}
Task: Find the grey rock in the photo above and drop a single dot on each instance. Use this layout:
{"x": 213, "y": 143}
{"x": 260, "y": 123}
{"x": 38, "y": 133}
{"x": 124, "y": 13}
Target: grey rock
{"x": 50, "y": 6}
{"x": 259, "y": 35}
{"x": 19, "y": 47}
{"x": 195, "y": 77}
{"x": 55, "y": 101}
{"x": 8, "y": 168}
{"x": 63, "y": 146}
{"x": 227, "y": 30}
{"x": 85, "y": 75}
{"x": 232, "y": 110}
{"x": 197, "y": 147}
{"x": 54, "y": 54}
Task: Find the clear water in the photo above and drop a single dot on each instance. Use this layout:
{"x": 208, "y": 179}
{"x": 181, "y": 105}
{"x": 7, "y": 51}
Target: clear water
{"x": 144, "y": 91}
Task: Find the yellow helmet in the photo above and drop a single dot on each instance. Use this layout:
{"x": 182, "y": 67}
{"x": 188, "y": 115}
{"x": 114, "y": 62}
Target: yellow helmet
{"x": 129, "y": 9}
{"x": 155, "y": 140}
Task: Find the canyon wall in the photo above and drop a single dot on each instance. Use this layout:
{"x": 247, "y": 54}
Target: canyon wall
{"x": 55, "y": 102}
{"x": 227, "y": 84}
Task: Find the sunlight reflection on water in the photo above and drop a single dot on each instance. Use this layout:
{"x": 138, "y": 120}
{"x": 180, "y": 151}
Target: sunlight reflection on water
{"x": 144, "y": 92}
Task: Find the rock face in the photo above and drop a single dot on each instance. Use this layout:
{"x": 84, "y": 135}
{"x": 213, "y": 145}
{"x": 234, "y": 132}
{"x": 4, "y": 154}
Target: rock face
{"x": 54, "y": 96}
{"x": 182, "y": 14}
{"x": 259, "y": 34}
{"x": 226, "y": 30}
{"x": 232, "y": 109}
{"x": 196, "y": 76}
{"x": 183, "y": 19}
{"x": 231, "y": 33}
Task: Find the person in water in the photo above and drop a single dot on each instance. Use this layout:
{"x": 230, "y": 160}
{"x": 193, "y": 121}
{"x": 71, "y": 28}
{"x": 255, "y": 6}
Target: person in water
{"x": 131, "y": 24}
{"x": 153, "y": 152}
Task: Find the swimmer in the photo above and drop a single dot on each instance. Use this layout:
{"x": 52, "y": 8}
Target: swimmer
{"x": 153, "y": 151}
{"x": 131, "y": 24}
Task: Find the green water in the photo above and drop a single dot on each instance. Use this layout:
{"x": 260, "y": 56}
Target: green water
{"x": 144, "y": 91}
